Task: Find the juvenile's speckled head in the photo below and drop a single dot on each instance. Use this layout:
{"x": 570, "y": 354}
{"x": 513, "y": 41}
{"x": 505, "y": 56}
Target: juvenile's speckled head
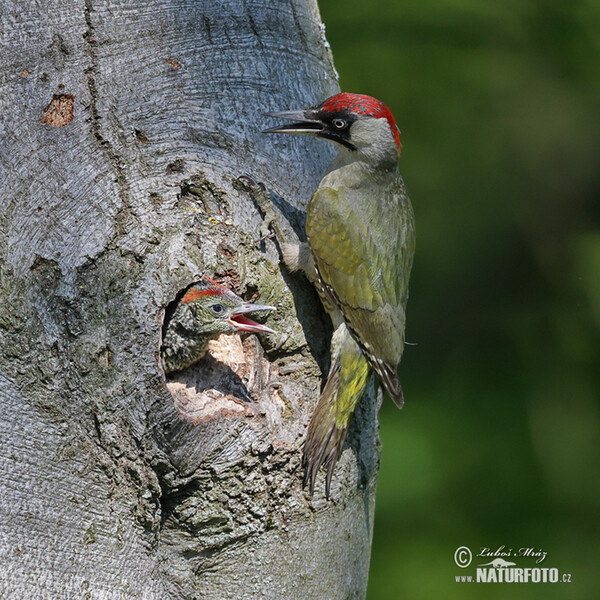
{"x": 359, "y": 124}
{"x": 215, "y": 309}
{"x": 205, "y": 311}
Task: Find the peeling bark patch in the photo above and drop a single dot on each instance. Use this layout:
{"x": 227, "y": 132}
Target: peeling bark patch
{"x": 140, "y": 136}
{"x": 177, "y": 166}
{"x": 60, "y": 110}
{"x": 105, "y": 357}
{"x": 173, "y": 63}
{"x": 225, "y": 383}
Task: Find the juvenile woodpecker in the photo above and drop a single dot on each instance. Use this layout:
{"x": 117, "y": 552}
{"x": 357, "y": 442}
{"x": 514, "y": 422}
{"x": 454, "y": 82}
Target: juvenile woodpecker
{"x": 206, "y": 310}
{"x": 361, "y": 239}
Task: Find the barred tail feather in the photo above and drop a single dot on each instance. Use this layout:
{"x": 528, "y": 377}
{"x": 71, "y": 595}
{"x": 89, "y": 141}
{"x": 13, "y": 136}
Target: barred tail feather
{"x": 325, "y": 437}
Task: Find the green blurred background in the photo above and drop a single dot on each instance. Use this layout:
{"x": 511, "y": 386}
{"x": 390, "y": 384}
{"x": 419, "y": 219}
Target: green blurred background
{"x": 499, "y": 441}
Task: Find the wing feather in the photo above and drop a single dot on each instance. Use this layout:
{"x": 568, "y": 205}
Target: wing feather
{"x": 363, "y": 262}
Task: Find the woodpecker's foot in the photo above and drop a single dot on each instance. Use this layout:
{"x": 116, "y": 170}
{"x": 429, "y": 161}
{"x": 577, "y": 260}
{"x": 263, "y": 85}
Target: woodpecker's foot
{"x": 261, "y": 195}
{"x": 253, "y": 187}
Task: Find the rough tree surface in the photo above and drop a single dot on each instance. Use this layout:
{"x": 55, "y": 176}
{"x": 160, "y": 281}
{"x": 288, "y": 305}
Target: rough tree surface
{"x": 123, "y": 126}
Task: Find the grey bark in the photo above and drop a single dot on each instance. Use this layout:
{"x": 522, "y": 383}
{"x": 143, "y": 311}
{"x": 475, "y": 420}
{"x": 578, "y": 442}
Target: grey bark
{"x": 123, "y": 125}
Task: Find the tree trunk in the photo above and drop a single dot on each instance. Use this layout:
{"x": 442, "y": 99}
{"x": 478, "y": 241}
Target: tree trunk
{"x": 124, "y": 125}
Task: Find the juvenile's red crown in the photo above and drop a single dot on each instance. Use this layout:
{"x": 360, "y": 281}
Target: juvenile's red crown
{"x": 207, "y": 287}
{"x": 362, "y": 104}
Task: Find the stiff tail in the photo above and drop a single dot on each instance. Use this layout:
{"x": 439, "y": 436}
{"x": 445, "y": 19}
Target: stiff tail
{"x": 330, "y": 421}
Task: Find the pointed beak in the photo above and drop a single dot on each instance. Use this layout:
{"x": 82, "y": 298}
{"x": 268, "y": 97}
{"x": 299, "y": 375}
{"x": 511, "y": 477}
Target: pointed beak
{"x": 242, "y": 323}
{"x": 305, "y": 121}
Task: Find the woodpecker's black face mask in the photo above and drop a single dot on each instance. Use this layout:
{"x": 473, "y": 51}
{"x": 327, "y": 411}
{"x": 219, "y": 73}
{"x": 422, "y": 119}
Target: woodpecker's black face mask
{"x": 336, "y": 127}
{"x": 317, "y": 122}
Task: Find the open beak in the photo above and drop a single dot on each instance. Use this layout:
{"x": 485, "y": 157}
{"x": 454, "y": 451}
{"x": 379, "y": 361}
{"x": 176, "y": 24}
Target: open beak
{"x": 242, "y": 323}
{"x": 306, "y": 121}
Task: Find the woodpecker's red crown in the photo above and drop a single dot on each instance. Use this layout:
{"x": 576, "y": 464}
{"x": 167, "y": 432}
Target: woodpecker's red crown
{"x": 361, "y": 104}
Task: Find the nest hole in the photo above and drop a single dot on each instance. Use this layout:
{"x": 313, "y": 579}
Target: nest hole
{"x": 233, "y": 378}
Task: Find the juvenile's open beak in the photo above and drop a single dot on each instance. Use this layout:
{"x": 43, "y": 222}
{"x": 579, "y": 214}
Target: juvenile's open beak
{"x": 243, "y": 323}
{"x": 306, "y": 121}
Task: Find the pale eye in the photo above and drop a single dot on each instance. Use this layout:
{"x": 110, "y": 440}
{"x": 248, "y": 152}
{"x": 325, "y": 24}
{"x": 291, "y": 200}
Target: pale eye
{"x": 216, "y": 308}
{"x": 339, "y": 123}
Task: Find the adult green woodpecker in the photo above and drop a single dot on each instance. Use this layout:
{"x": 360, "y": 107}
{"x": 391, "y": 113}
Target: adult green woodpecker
{"x": 205, "y": 311}
{"x": 360, "y": 244}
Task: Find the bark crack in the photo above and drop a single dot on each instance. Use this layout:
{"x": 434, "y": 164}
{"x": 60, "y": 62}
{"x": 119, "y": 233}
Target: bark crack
{"x": 299, "y": 28}
{"x": 253, "y": 26}
{"x": 106, "y": 146}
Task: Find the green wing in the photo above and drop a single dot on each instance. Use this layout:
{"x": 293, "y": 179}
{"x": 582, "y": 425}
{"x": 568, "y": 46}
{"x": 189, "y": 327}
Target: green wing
{"x": 363, "y": 249}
